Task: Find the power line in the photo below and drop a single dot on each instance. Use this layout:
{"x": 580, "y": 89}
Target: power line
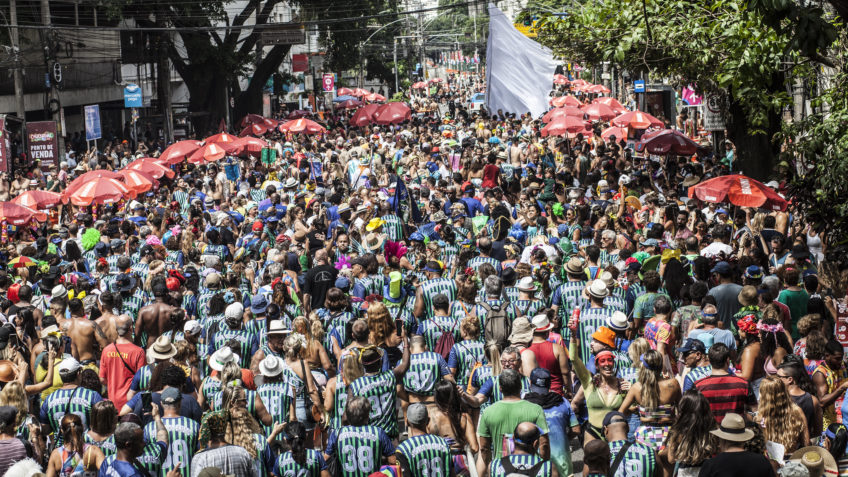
{"x": 264, "y": 26}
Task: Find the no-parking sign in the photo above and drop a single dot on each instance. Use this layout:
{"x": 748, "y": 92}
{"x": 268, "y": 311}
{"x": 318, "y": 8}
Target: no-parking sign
{"x": 329, "y": 82}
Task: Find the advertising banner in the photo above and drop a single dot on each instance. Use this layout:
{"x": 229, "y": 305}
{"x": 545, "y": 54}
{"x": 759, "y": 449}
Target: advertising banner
{"x": 43, "y": 143}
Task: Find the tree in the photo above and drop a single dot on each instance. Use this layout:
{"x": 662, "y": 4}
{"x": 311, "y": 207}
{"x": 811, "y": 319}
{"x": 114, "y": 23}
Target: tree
{"x": 722, "y": 46}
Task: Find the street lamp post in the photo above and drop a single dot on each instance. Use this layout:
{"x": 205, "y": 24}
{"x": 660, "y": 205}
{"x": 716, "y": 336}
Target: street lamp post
{"x": 362, "y": 44}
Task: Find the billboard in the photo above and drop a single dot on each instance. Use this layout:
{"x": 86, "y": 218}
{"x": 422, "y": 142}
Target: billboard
{"x": 43, "y": 143}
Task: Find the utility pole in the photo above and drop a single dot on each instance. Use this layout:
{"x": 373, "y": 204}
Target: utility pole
{"x": 164, "y": 72}
{"x": 20, "y": 107}
{"x": 394, "y": 55}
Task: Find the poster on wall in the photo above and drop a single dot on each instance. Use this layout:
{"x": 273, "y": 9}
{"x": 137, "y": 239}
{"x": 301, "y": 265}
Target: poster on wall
{"x": 43, "y": 143}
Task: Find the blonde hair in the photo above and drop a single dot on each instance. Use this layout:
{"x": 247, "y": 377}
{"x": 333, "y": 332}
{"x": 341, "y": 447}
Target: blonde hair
{"x": 649, "y": 378}
{"x": 379, "y": 323}
{"x": 470, "y": 325}
{"x": 351, "y": 369}
{"x": 782, "y": 419}
{"x": 638, "y": 347}
{"x": 493, "y": 354}
{"x": 241, "y": 426}
{"x": 13, "y": 394}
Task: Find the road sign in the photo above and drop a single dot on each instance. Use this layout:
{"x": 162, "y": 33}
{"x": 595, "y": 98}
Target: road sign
{"x": 329, "y": 82}
{"x": 300, "y": 63}
{"x": 284, "y": 36}
{"x": 132, "y": 96}
{"x": 713, "y": 118}
{"x": 92, "y": 122}
{"x": 639, "y": 86}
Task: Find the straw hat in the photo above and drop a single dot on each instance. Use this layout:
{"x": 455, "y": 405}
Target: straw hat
{"x": 748, "y": 296}
{"x": 541, "y": 323}
{"x": 374, "y": 241}
{"x": 162, "y": 349}
{"x": 221, "y": 357}
{"x": 598, "y": 289}
{"x": 574, "y": 266}
{"x": 816, "y": 459}
{"x": 733, "y": 429}
{"x": 522, "y": 331}
{"x": 271, "y": 366}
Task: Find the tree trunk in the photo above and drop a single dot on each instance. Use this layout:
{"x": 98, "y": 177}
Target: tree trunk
{"x": 207, "y": 97}
{"x": 756, "y": 154}
{"x": 250, "y": 100}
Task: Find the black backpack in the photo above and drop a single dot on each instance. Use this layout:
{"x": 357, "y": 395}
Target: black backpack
{"x": 511, "y": 471}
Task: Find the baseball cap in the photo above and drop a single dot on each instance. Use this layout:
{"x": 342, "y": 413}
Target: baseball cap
{"x": 692, "y": 345}
{"x": 722, "y": 268}
{"x": 69, "y": 365}
{"x": 234, "y": 311}
{"x": 540, "y": 381}
{"x": 614, "y": 417}
{"x": 416, "y": 414}
{"x": 171, "y": 396}
{"x": 192, "y": 327}
{"x": 259, "y": 304}
{"x": 257, "y": 226}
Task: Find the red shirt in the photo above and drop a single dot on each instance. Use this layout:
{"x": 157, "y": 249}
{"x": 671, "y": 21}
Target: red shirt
{"x": 116, "y": 375}
{"x": 726, "y": 394}
{"x": 546, "y": 359}
{"x": 490, "y": 176}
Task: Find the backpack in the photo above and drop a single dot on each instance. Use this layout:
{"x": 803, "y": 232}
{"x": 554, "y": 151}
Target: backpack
{"x": 511, "y": 471}
{"x": 445, "y": 342}
{"x": 498, "y": 327}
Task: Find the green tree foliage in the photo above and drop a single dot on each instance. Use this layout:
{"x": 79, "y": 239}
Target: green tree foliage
{"x": 748, "y": 53}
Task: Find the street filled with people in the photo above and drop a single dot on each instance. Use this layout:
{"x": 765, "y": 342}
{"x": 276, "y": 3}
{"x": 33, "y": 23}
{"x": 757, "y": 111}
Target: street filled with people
{"x": 418, "y": 289}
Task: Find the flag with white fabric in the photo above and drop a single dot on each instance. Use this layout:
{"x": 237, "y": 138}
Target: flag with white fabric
{"x": 519, "y": 71}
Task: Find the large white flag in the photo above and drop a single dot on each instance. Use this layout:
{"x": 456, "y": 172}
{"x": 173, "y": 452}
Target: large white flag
{"x": 519, "y": 71}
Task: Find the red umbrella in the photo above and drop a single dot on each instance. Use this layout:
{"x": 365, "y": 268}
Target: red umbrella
{"x": 561, "y": 112}
{"x": 597, "y": 88}
{"x": 298, "y": 113}
{"x": 566, "y": 101}
{"x": 98, "y": 190}
{"x": 619, "y": 133}
{"x": 738, "y": 190}
{"x": 344, "y": 92}
{"x": 612, "y": 103}
{"x": 251, "y": 145}
{"x": 364, "y": 115}
{"x": 138, "y": 181}
{"x": 563, "y": 125}
{"x": 579, "y": 82}
{"x": 637, "y": 120}
{"x": 151, "y": 166}
{"x": 373, "y": 97}
{"x": 350, "y": 104}
{"x": 419, "y": 85}
{"x": 251, "y": 119}
{"x": 16, "y": 214}
{"x": 359, "y": 92}
{"x": 38, "y": 199}
{"x": 560, "y": 79}
{"x": 392, "y": 113}
{"x": 437, "y": 80}
{"x": 667, "y": 141}
{"x": 178, "y": 151}
{"x": 302, "y": 125}
{"x": 210, "y": 152}
{"x": 598, "y": 111}
{"x": 226, "y": 141}
{"x": 270, "y": 123}
{"x": 257, "y": 129}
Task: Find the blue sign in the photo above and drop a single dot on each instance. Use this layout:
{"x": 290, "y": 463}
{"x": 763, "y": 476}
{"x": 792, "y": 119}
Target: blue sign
{"x": 639, "y": 86}
{"x": 92, "y": 122}
{"x": 132, "y": 96}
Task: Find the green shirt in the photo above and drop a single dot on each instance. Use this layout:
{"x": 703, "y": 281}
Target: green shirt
{"x": 501, "y": 418}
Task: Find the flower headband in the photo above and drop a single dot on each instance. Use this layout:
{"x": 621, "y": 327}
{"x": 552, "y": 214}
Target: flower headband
{"x": 747, "y": 324}
{"x": 776, "y": 328}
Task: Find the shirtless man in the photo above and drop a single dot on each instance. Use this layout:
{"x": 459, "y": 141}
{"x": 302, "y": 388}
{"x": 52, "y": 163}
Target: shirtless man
{"x": 426, "y": 368}
{"x": 84, "y": 334}
{"x": 155, "y": 318}
{"x": 107, "y": 320}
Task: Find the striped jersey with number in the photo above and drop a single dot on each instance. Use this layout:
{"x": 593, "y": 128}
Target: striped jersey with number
{"x": 130, "y": 305}
{"x": 285, "y": 466}
{"x": 360, "y": 449}
{"x": 112, "y": 260}
{"x": 381, "y": 391}
{"x": 277, "y": 398}
{"x": 590, "y": 320}
{"x": 528, "y": 308}
{"x": 425, "y": 370}
{"x": 431, "y": 288}
{"x": 568, "y": 296}
{"x": 141, "y": 270}
{"x": 217, "y": 401}
{"x": 512, "y": 293}
{"x": 464, "y": 356}
{"x": 339, "y": 403}
{"x": 607, "y": 258}
{"x": 151, "y": 459}
{"x": 522, "y": 462}
{"x": 78, "y": 400}
{"x": 372, "y": 285}
{"x": 448, "y": 254}
{"x": 477, "y": 261}
{"x": 182, "y": 443}
{"x": 203, "y": 298}
{"x": 182, "y": 198}
{"x": 426, "y": 455}
{"x": 496, "y": 394}
{"x": 209, "y": 386}
{"x": 107, "y": 445}
{"x": 338, "y": 322}
{"x": 393, "y": 227}
{"x": 639, "y": 459}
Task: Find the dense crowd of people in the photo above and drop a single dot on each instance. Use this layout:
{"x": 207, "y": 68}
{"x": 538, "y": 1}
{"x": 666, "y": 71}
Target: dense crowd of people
{"x": 453, "y": 295}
